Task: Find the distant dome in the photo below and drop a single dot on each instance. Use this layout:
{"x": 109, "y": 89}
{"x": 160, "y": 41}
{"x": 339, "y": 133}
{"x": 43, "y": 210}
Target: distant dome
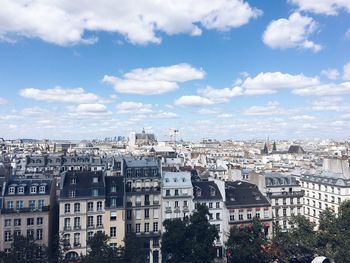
{"x": 85, "y": 144}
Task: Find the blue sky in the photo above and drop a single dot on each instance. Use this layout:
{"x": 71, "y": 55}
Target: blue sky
{"x": 219, "y": 69}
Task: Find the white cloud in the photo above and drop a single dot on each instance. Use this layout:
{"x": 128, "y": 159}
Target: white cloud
{"x": 225, "y": 115}
{"x": 2, "y": 101}
{"x": 89, "y": 110}
{"x": 270, "y": 82}
{"x": 272, "y": 108}
{"x": 163, "y": 115}
{"x": 155, "y": 80}
{"x": 330, "y": 73}
{"x": 324, "y": 89}
{"x": 193, "y": 101}
{"x": 291, "y": 33}
{"x": 59, "y": 94}
{"x": 302, "y": 118}
{"x": 327, "y": 7}
{"x": 220, "y": 95}
{"x": 207, "y": 111}
{"x": 329, "y": 104}
{"x": 346, "y": 71}
{"x": 134, "y": 107}
{"x": 347, "y": 33}
{"x": 66, "y": 22}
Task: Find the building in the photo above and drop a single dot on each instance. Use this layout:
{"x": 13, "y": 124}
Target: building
{"x": 177, "y": 193}
{"x": 286, "y": 197}
{"x": 81, "y": 210}
{"x": 28, "y": 210}
{"x": 243, "y": 202}
{"x": 143, "y": 202}
{"x": 208, "y": 193}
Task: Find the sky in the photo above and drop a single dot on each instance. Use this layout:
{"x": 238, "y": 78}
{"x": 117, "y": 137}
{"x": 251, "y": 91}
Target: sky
{"x": 220, "y": 69}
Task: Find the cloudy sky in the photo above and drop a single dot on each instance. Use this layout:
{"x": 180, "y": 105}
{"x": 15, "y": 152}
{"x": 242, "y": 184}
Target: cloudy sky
{"x": 221, "y": 69}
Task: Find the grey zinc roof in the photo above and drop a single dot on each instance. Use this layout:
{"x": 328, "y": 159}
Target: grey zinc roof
{"x": 277, "y": 179}
{"x": 206, "y": 187}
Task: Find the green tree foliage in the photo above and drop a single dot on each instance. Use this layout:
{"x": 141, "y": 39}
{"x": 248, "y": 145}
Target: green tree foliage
{"x": 248, "y": 244}
{"x": 300, "y": 241}
{"x": 190, "y": 240}
{"x": 136, "y": 249}
{"x": 25, "y": 250}
{"x": 101, "y": 251}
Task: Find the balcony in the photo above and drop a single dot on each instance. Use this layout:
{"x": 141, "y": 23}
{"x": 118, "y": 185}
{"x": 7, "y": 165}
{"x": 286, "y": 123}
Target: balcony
{"x": 185, "y": 209}
{"x": 24, "y": 210}
{"x": 99, "y": 226}
{"x": 91, "y": 226}
{"x": 77, "y": 227}
{"x": 67, "y": 228}
{"x": 168, "y": 209}
{"x": 77, "y": 245}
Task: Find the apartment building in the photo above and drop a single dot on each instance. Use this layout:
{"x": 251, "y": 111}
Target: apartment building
{"x": 81, "y": 210}
{"x": 243, "y": 202}
{"x": 207, "y": 193}
{"x": 143, "y": 202}
{"x": 286, "y": 197}
{"x": 28, "y": 210}
{"x": 177, "y": 193}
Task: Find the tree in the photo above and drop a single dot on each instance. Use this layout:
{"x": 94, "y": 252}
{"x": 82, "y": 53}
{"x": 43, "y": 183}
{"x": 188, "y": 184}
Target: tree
{"x": 190, "y": 240}
{"x": 248, "y": 244}
{"x": 298, "y": 242}
{"x": 101, "y": 251}
{"x": 136, "y": 249}
{"x": 25, "y": 250}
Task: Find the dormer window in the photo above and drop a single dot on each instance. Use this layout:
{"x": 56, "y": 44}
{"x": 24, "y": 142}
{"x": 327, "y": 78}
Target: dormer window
{"x": 94, "y": 192}
{"x": 95, "y": 180}
{"x": 175, "y": 180}
{"x": 73, "y": 180}
{"x": 167, "y": 180}
{"x": 198, "y": 192}
{"x": 72, "y": 193}
{"x": 12, "y": 190}
{"x": 33, "y": 189}
{"x": 212, "y": 192}
{"x": 21, "y": 190}
{"x": 42, "y": 189}
{"x": 113, "y": 201}
{"x": 183, "y": 179}
{"x": 113, "y": 189}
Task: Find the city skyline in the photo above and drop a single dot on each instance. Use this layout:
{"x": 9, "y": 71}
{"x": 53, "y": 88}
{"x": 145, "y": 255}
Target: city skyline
{"x": 224, "y": 70}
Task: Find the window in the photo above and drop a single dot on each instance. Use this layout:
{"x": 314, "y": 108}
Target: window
{"x": 155, "y": 242}
{"x": 42, "y": 189}
{"x": 257, "y": 214}
{"x": 10, "y": 204}
{"x": 67, "y": 224}
{"x": 113, "y": 232}
{"x": 146, "y": 227}
{"x": 284, "y": 212}
{"x": 99, "y": 206}
{"x": 8, "y": 222}
{"x": 128, "y": 214}
{"x": 167, "y": 192}
{"x": 138, "y": 214}
{"x": 33, "y": 189}
{"x": 73, "y": 181}
{"x": 39, "y": 221}
{"x": 17, "y": 222}
{"x": 266, "y": 213}
{"x": 90, "y": 221}
{"x": 76, "y": 239}
{"x": 176, "y": 204}
{"x": 240, "y": 216}
{"x": 77, "y": 222}
{"x": 155, "y": 226}
{"x": 77, "y": 207}
{"x": 146, "y": 213}
{"x": 12, "y": 190}
{"x": 138, "y": 228}
{"x": 30, "y": 233}
{"x": 99, "y": 221}
{"x": 114, "y": 201}
{"x": 113, "y": 189}
{"x": 95, "y": 192}
{"x": 128, "y": 228}
{"x": 210, "y": 205}
{"x": 30, "y": 221}
{"x": 217, "y": 216}
{"x": 7, "y": 236}
{"x": 19, "y": 204}
{"x": 217, "y": 204}
{"x": 176, "y": 192}
{"x": 72, "y": 193}
{"x": 232, "y": 217}
{"x": 113, "y": 216}
{"x": 21, "y": 190}
{"x": 39, "y": 234}
{"x": 41, "y": 204}
{"x": 155, "y": 213}
{"x": 95, "y": 180}
{"x": 90, "y": 235}
{"x": 16, "y": 233}
{"x": 31, "y": 204}
{"x": 90, "y": 206}
{"x": 67, "y": 208}
{"x": 249, "y": 215}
